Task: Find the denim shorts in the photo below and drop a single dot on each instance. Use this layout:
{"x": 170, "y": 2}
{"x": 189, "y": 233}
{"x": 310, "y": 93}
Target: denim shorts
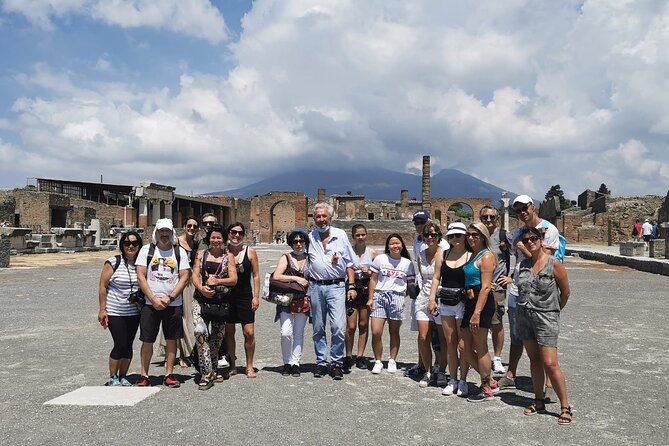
{"x": 540, "y": 326}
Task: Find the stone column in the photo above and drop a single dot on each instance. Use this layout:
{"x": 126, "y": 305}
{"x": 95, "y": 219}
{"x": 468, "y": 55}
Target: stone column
{"x": 505, "y": 204}
{"x": 155, "y": 211}
{"x": 5, "y": 247}
{"x": 168, "y": 211}
{"x": 426, "y": 182}
{"x": 321, "y": 196}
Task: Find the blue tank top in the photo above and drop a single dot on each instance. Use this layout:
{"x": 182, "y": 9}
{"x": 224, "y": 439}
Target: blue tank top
{"x": 472, "y": 272}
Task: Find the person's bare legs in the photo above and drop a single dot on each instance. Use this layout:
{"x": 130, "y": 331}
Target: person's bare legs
{"x": 249, "y": 348}
{"x": 232, "y": 346}
{"x": 170, "y": 355}
{"x": 349, "y": 336}
{"x": 394, "y": 330}
{"x": 146, "y": 352}
{"x": 497, "y": 339}
{"x": 377, "y": 337}
{"x": 450, "y": 327}
{"x": 363, "y": 329}
{"x": 424, "y": 348}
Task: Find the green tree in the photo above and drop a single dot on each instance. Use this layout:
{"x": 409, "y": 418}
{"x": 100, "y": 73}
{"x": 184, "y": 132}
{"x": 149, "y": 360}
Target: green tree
{"x": 556, "y": 191}
{"x": 604, "y": 190}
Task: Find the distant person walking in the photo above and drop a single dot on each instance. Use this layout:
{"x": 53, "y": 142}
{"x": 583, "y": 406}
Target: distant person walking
{"x": 637, "y": 230}
{"x": 647, "y": 232}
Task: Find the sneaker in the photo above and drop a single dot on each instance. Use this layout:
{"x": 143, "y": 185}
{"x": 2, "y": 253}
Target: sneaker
{"x": 450, "y": 388}
{"x": 361, "y": 362}
{"x": 171, "y": 381}
{"x": 378, "y": 366}
{"x": 442, "y": 379}
{"x": 143, "y": 381}
{"x": 321, "y": 371}
{"x": 505, "y": 383}
{"x": 483, "y": 395}
{"x": 336, "y": 373}
{"x": 113, "y": 381}
{"x": 463, "y": 388}
{"x": 287, "y": 370}
{"x": 497, "y": 366}
{"x": 425, "y": 380}
{"x": 347, "y": 364}
{"x": 414, "y": 370}
{"x": 295, "y": 370}
{"x": 392, "y": 366}
{"x": 125, "y": 382}
{"x": 223, "y": 363}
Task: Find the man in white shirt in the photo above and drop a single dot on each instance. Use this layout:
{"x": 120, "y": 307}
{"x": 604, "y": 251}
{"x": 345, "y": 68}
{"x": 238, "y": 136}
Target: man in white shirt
{"x": 647, "y": 231}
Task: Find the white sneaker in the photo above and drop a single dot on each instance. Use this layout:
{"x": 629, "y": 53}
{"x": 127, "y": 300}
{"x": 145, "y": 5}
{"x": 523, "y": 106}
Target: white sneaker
{"x": 425, "y": 381}
{"x": 223, "y": 363}
{"x": 497, "y": 366}
{"x": 463, "y": 388}
{"x": 392, "y": 366}
{"x": 450, "y": 388}
{"x": 378, "y": 366}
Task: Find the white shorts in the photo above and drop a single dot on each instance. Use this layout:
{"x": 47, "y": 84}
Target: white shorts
{"x": 457, "y": 311}
{"x": 419, "y": 312}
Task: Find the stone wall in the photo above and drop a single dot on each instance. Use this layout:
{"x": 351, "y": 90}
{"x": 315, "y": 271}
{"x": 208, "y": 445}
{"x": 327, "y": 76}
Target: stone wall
{"x": 278, "y": 211}
{"x": 7, "y": 207}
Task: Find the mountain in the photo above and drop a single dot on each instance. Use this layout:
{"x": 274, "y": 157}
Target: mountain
{"x": 374, "y": 184}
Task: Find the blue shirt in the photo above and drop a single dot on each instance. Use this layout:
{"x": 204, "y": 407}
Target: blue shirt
{"x": 320, "y": 259}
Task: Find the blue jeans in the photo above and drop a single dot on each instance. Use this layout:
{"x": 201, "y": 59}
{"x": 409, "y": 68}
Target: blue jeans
{"x": 512, "y": 301}
{"x": 328, "y": 300}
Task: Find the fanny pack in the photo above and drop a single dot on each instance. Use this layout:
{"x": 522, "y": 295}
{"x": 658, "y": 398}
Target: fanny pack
{"x": 451, "y": 296}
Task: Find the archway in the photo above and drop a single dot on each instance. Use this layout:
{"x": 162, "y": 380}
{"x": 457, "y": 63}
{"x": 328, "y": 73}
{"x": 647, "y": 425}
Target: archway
{"x": 282, "y": 218}
{"x": 460, "y": 211}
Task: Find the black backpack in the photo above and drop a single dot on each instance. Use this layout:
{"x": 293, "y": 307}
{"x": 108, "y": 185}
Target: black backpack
{"x": 506, "y": 252}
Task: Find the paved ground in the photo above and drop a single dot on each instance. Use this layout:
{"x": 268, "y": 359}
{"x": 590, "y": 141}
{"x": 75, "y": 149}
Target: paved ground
{"x": 612, "y": 349}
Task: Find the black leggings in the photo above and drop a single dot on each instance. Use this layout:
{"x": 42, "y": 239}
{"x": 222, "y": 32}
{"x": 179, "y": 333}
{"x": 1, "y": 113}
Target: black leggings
{"x": 123, "y": 330}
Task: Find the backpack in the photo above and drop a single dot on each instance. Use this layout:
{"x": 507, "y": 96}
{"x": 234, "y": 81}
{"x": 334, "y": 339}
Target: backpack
{"x": 562, "y": 248}
{"x": 635, "y": 231}
{"x": 117, "y": 262}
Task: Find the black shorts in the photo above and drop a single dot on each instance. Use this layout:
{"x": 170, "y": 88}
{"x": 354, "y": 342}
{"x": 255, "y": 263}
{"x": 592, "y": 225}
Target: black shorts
{"x": 240, "y": 311}
{"x": 150, "y": 320}
{"x": 485, "y": 321}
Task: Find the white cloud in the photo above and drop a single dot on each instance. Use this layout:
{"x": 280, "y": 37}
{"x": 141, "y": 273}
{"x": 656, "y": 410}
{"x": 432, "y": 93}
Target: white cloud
{"x": 197, "y": 18}
{"x": 525, "y": 95}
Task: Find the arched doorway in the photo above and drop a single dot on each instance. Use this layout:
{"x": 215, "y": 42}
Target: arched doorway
{"x": 282, "y": 218}
{"x": 460, "y": 211}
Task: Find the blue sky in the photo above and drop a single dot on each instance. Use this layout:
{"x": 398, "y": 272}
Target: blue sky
{"x": 215, "y": 95}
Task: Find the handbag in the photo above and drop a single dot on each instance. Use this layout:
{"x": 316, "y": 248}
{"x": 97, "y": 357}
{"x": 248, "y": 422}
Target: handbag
{"x": 283, "y": 293}
{"x": 277, "y": 286}
{"x": 451, "y": 296}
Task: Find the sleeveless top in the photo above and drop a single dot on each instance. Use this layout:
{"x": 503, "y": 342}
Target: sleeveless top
{"x": 426, "y": 274}
{"x": 364, "y": 260}
{"x": 472, "y": 272}
{"x": 243, "y": 289}
{"x": 538, "y": 292}
{"x": 452, "y": 277}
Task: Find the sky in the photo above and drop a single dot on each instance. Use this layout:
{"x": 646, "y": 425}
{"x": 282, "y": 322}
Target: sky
{"x": 214, "y": 95}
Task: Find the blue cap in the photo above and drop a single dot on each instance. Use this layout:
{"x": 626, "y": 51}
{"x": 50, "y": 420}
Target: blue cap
{"x": 422, "y": 214}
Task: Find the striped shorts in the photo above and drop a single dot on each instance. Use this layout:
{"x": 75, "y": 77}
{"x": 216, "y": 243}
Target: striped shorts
{"x": 388, "y": 305}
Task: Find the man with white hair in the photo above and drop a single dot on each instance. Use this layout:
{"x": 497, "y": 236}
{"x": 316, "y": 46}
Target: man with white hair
{"x": 331, "y": 261}
{"x": 162, "y": 272}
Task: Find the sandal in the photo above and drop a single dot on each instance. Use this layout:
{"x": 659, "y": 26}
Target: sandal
{"x": 250, "y": 373}
{"x": 538, "y": 406}
{"x": 565, "y": 415}
{"x": 206, "y": 382}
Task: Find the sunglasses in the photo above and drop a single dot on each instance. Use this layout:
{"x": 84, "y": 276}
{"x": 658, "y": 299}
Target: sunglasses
{"x": 208, "y": 223}
{"x": 298, "y": 240}
{"x": 192, "y": 226}
{"x": 473, "y": 235}
{"x": 129, "y": 243}
{"x": 431, "y": 235}
{"x": 236, "y": 232}
{"x": 454, "y": 236}
{"x": 488, "y": 217}
{"x": 520, "y": 209}
{"x": 532, "y": 238}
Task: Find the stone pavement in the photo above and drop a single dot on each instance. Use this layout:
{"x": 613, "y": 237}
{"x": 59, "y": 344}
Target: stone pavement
{"x": 612, "y": 349}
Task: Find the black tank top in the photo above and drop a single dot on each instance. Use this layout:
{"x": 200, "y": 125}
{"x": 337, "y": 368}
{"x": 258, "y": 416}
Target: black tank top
{"x": 243, "y": 289}
{"x": 452, "y": 277}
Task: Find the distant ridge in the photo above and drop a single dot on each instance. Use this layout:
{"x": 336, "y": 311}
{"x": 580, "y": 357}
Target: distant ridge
{"x": 374, "y": 184}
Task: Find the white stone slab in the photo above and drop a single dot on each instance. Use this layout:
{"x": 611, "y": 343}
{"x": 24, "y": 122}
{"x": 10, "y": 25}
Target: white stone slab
{"x": 104, "y": 396}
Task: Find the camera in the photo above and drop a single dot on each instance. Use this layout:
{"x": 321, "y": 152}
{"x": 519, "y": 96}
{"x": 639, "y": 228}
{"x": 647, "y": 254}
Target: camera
{"x": 350, "y": 308}
{"x": 137, "y": 298}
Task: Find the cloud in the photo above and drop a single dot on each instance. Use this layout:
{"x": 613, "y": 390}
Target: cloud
{"x": 196, "y": 18}
{"x": 522, "y": 94}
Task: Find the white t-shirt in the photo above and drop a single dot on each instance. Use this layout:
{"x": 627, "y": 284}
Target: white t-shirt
{"x": 393, "y": 274}
{"x": 162, "y": 273}
{"x": 647, "y": 228}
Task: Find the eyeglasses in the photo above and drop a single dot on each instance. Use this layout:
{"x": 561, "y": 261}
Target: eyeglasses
{"x": 236, "y": 232}
{"x": 532, "y": 238}
{"x": 520, "y": 209}
{"x": 129, "y": 243}
{"x": 298, "y": 240}
{"x": 431, "y": 234}
{"x": 419, "y": 222}
{"x": 488, "y": 217}
{"x": 455, "y": 236}
{"x": 192, "y": 226}
{"x": 208, "y": 223}
{"x": 473, "y": 235}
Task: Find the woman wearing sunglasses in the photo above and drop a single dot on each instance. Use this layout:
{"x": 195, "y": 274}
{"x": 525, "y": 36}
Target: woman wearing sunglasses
{"x": 118, "y": 281}
{"x": 244, "y": 298}
{"x": 293, "y": 318}
{"x": 448, "y": 285}
{"x": 543, "y": 291}
{"x": 479, "y": 308}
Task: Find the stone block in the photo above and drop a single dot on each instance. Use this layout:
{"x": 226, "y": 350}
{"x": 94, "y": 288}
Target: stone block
{"x": 656, "y": 248}
{"x": 5, "y": 248}
{"x": 632, "y": 249}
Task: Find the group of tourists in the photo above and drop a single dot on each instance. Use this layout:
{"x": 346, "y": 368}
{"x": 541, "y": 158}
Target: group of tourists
{"x": 457, "y": 287}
